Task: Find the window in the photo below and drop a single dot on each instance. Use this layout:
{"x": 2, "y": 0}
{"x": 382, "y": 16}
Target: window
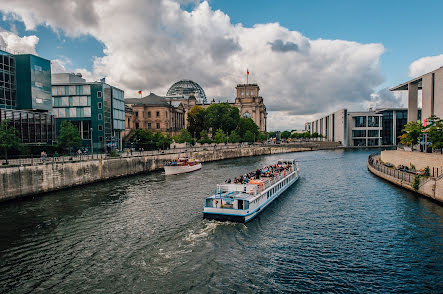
{"x": 99, "y": 105}
{"x": 373, "y": 133}
{"x": 136, "y": 113}
{"x": 373, "y": 121}
{"x": 100, "y": 116}
{"x": 149, "y": 125}
{"x": 100, "y": 139}
{"x": 99, "y": 94}
{"x": 38, "y": 84}
{"x": 149, "y": 114}
{"x": 360, "y": 121}
{"x": 158, "y": 125}
{"x": 358, "y": 133}
{"x": 137, "y": 125}
{"x": 38, "y": 68}
{"x": 372, "y": 142}
{"x": 100, "y": 127}
{"x": 157, "y": 114}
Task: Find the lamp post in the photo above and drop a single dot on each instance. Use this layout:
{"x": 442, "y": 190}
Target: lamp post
{"x": 92, "y": 144}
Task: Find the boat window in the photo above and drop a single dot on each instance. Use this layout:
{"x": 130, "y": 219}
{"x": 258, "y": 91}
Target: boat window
{"x": 240, "y": 204}
{"x": 209, "y": 202}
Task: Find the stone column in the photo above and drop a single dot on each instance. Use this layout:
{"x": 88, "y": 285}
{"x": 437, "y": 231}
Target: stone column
{"x": 412, "y": 101}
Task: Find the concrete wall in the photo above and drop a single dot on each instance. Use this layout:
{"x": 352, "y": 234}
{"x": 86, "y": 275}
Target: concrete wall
{"x": 438, "y": 93}
{"x": 431, "y": 189}
{"x": 419, "y": 159}
{"x": 28, "y": 180}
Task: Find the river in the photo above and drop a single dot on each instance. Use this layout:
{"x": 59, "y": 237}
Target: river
{"x": 338, "y": 229}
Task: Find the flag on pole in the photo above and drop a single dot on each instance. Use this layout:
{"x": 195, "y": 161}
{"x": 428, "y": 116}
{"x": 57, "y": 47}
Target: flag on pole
{"x": 140, "y": 92}
{"x": 247, "y": 76}
{"x": 247, "y": 72}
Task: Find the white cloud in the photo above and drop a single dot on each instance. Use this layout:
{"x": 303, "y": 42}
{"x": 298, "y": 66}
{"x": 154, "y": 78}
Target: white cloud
{"x": 425, "y": 65}
{"x": 151, "y": 44}
{"x": 12, "y": 43}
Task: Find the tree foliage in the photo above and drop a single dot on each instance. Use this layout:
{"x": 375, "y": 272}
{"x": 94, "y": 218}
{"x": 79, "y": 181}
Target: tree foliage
{"x": 249, "y": 136}
{"x": 220, "y": 137}
{"x": 435, "y": 132}
{"x": 184, "y": 137}
{"x": 412, "y": 131}
{"x": 8, "y": 137}
{"x": 222, "y": 116}
{"x": 204, "y": 138}
{"x": 247, "y": 124}
{"x": 234, "y": 137}
{"x": 69, "y": 136}
{"x": 196, "y": 121}
{"x": 285, "y": 134}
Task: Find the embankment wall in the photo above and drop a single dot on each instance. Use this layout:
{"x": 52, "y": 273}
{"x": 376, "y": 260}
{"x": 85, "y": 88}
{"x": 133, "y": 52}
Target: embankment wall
{"x": 418, "y": 159}
{"x": 22, "y": 181}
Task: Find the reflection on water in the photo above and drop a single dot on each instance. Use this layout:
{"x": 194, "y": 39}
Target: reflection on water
{"x": 338, "y": 229}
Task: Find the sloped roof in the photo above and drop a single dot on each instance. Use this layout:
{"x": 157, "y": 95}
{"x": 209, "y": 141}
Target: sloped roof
{"x": 151, "y": 100}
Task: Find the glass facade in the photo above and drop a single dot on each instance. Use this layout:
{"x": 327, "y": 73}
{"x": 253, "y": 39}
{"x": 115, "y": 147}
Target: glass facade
{"x": 373, "y": 121}
{"x": 372, "y": 142}
{"x": 373, "y": 133}
{"x": 388, "y": 127}
{"x": 359, "y": 142}
{"x": 118, "y": 109}
{"x": 7, "y": 80}
{"x": 360, "y": 121}
{"x": 401, "y": 118}
{"x": 32, "y": 127}
{"x": 358, "y": 133}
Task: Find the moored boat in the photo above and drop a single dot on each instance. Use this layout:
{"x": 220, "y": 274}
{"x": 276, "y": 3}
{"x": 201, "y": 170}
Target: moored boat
{"x": 181, "y": 166}
{"x": 245, "y": 197}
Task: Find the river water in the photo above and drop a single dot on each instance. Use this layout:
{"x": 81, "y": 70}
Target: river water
{"x": 338, "y": 229}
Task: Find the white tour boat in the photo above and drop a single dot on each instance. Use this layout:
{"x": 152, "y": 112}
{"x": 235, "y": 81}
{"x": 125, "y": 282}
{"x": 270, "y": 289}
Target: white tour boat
{"x": 242, "y": 200}
{"x": 181, "y": 166}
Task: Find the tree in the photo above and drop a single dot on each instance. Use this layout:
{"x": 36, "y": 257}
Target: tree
{"x": 161, "y": 140}
{"x": 285, "y": 134}
{"x": 184, "y": 137}
{"x": 8, "y": 137}
{"x": 307, "y": 135}
{"x": 222, "y": 116}
{"x": 435, "y": 132}
{"x": 247, "y": 124}
{"x": 69, "y": 136}
{"x": 412, "y": 131}
{"x": 220, "y": 137}
{"x": 204, "y": 138}
{"x": 262, "y": 136}
{"x": 249, "y": 136}
{"x": 196, "y": 121}
{"x": 234, "y": 137}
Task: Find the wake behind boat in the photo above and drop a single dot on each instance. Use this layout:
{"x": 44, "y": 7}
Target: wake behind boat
{"x": 181, "y": 165}
{"x": 245, "y": 197}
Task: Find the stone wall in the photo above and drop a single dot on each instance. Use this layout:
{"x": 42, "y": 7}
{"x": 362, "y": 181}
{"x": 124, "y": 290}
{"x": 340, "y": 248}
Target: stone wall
{"x": 33, "y": 179}
{"x": 419, "y": 159}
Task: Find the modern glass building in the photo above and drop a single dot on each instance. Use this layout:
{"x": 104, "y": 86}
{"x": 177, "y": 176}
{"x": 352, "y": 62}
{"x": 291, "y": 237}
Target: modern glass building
{"x": 96, "y": 108}
{"x": 25, "y": 97}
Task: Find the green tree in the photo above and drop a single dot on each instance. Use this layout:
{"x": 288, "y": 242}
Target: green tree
{"x": 184, "y": 137}
{"x": 249, "y": 136}
{"x": 8, "y": 137}
{"x": 204, "y": 138}
{"x": 247, "y": 124}
{"x": 222, "y": 116}
{"x": 220, "y": 137}
{"x": 412, "y": 131}
{"x": 435, "y": 132}
{"x": 234, "y": 137}
{"x": 285, "y": 134}
{"x": 69, "y": 136}
{"x": 262, "y": 136}
{"x": 196, "y": 121}
{"x": 162, "y": 141}
{"x": 307, "y": 135}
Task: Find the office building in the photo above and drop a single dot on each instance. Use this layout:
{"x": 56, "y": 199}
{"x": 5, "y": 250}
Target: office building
{"x": 25, "y": 96}
{"x": 95, "y": 108}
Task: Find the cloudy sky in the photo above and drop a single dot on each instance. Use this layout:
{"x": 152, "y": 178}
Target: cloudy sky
{"x": 309, "y": 57}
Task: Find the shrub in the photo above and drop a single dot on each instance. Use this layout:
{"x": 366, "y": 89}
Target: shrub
{"x": 416, "y": 183}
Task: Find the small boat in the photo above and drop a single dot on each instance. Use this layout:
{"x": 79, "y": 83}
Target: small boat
{"x": 181, "y": 166}
{"x": 247, "y": 196}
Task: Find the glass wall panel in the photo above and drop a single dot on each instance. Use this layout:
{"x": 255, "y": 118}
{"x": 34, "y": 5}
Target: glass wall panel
{"x": 360, "y": 121}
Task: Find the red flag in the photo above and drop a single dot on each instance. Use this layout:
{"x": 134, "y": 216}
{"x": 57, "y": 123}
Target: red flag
{"x": 140, "y": 92}
{"x": 247, "y": 72}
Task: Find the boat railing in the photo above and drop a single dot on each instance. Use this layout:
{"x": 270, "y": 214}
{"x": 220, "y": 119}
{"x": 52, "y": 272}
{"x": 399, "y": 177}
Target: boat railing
{"x": 231, "y": 188}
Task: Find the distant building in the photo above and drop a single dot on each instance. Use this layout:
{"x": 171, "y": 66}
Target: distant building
{"x": 155, "y": 113}
{"x": 367, "y": 128}
{"x": 97, "y": 109}
{"x": 25, "y": 96}
{"x": 431, "y": 86}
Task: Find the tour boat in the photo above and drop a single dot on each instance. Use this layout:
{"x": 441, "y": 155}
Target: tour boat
{"x": 181, "y": 166}
{"x": 243, "y": 200}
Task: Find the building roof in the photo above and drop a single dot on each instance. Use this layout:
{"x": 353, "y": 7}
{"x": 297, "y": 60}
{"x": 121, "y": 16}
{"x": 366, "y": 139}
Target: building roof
{"x": 404, "y": 86}
{"x": 150, "y": 100}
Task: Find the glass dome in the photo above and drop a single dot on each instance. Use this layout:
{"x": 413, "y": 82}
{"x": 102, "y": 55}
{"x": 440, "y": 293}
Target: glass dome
{"x": 186, "y": 87}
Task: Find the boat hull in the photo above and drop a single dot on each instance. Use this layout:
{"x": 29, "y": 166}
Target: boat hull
{"x": 175, "y": 170}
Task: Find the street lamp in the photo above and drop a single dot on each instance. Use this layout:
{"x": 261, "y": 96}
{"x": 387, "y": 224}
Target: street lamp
{"x": 92, "y": 144}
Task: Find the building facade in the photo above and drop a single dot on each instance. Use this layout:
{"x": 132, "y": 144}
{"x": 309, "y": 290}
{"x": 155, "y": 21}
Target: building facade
{"x": 366, "y": 128}
{"x": 155, "y": 113}
{"x": 251, "y": 105}
{"x": 431, "y": 87}
{"x": 25, "y": 97}
{"x": 95, "y": 108}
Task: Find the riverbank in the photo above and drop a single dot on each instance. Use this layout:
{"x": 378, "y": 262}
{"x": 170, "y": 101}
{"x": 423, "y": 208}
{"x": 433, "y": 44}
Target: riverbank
{"x": 26, "y": 180}
{"x": 430, "y": 187}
